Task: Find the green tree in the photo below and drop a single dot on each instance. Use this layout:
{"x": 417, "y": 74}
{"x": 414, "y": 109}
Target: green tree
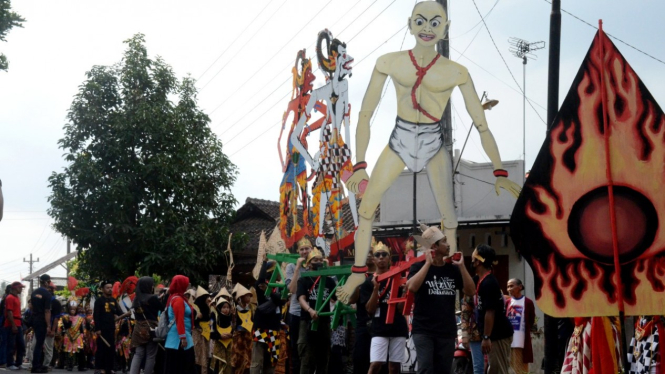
{"x": 8, "y": 20}
{"x": 147, "y": 186}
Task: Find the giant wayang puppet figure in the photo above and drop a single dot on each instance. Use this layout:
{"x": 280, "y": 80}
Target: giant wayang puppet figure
{"x": 423, "y": 82}
{"x": 333, "y": 161}
{"x": 294, "y": 182}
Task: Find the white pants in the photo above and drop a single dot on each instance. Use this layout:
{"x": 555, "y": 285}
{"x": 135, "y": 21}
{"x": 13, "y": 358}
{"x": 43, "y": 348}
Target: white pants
{"x": 383, "y": 348}
{"x": 48, "y": 350}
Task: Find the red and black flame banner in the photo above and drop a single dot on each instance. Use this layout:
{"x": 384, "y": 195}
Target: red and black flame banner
{"x": 594, "y": 201}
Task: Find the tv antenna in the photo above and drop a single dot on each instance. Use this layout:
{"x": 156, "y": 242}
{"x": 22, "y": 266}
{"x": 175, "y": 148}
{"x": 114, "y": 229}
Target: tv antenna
{"x": 524, "y": 50}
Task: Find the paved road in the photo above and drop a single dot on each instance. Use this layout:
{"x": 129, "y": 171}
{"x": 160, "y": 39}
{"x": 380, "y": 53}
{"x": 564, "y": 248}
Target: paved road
{"x": 26, "y": 370}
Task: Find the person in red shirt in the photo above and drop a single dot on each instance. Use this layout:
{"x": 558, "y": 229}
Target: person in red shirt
{"x": 13, "y": 326}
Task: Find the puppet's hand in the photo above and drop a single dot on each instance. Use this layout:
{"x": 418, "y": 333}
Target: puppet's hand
{"x": 355, "y": 182}
{"x": 508, "y": 185}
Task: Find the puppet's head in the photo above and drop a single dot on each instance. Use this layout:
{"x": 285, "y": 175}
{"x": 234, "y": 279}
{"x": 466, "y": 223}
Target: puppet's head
{"x": 428, "y": 23}
{"x": 338, "y": 63}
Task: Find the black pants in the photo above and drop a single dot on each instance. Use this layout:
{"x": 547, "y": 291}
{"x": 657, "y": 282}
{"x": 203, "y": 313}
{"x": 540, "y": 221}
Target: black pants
{"x": 294, "y": 328}
{"x": 39, "y": 326}
{"x": 435, "y": 354}
{"x": 105, "y": 355}
{"x": 179, "y": 361}
{"x": 361, "y": 351}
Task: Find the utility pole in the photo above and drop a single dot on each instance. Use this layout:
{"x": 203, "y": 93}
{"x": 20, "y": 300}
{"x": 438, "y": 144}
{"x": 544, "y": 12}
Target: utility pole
{"x": 69, "y": 250}
{"x": 31, "y": 261}
{"x": 523, "y": 49}
{"x": 552, "y": 364}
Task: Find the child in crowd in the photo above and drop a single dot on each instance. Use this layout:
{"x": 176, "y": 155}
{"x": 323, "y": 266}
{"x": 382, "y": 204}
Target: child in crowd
{"x": 72, "y": 329}
{"x": 222, "y": 335}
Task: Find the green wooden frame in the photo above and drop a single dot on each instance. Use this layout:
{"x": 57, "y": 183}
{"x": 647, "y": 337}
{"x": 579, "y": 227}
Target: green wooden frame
{"x": 273, "y": 283}
{"x": 341, "y": 310}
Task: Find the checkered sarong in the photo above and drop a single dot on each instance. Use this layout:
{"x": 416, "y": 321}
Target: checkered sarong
{"x": 271, "y": 339}
{"x": 335, "y": 156}
{"x": 643, "y": 354}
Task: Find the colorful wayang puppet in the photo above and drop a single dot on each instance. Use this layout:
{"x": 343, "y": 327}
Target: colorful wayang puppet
{"x": 293, "y": 188}
{"x": 594, "y": 201}
{"x": 333, "y": 161}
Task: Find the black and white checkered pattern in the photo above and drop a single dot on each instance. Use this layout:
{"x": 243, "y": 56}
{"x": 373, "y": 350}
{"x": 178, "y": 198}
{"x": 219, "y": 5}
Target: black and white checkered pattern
{"x": 333, "y": 156}
{"x": 648, "y": 352}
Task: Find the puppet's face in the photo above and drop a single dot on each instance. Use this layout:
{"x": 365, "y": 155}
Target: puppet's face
{"x": 72, "y": 310}
{"x": 344, "y": 61}
{"x": 428, "y": 23}
{"x": 309, "y": 79}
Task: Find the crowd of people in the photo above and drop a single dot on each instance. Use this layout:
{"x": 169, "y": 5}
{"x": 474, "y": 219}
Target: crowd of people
{"x": 242, "y": 329}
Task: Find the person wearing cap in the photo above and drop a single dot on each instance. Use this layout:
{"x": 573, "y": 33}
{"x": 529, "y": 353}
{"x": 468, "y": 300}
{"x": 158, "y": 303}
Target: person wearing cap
{"x": 106, "y": 312}
{"x": 41, "y": 322}
{"x": 388, "y": 340}
{"x": 14, "y": 329}
{"x": 241, "y": 358}
{"x": 493, "y": 324}
{"x": 292, "y": 277}
{"x": 314, "y": 346}
{"x": 434, "y": 283}
{"x": 201, "y": 331}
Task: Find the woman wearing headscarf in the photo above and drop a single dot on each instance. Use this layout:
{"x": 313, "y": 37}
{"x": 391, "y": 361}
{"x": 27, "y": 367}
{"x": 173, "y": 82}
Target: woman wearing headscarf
{"x": 179, "y": 345}
{"x": 146, "y": 307}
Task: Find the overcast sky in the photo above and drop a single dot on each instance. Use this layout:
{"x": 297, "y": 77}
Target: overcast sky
{"x": 242, "y": 56}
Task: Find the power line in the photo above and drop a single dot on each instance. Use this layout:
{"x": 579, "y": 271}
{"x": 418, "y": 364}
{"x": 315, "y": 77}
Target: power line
{"x": 374, "y": 19}
{"x": 504, "y": 60}
{"x": 361, "y": 13}
{"x": 497, "y": 78}
{"x": 234, "y": 41}
{"x": 258, "y": 29}
{"x": 289, "y": 64}
{"x": 259, "y": 117}
{"x": 476, "y": 25}
{"x": 269, "y": 128}
{"x": 381, "y": 45}
{"x": 610, "y": 35}
{"x": 268, "y": 60}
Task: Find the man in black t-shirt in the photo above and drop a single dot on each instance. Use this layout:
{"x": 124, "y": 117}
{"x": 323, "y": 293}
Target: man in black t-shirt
{"x": 105, "y": 313}
{"x": 434, "y": 284}
{"x": 314, "y": 346}
{"x": 388, "y": 340}
{"x": 493, "y": 325}
{"x": 41, "y": 322}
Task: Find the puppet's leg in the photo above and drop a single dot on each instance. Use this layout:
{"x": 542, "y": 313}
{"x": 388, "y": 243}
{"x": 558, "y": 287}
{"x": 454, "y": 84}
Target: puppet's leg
{"x": 440, "y": 174}
{"x": 387, "y": 169}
